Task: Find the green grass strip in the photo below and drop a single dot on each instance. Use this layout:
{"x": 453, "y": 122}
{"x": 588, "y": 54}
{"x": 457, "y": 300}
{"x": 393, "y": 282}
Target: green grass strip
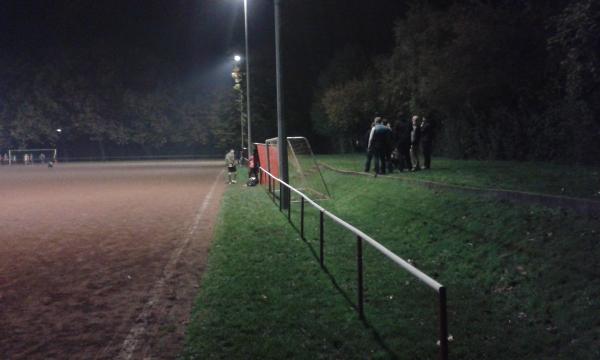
{"x": 546, "y": 178}
{"x": 264, "y": 294}
{"x": 523, "y": 281}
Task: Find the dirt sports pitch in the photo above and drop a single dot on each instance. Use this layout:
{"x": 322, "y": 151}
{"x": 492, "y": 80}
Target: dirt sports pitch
{"x": 102, "y": 261}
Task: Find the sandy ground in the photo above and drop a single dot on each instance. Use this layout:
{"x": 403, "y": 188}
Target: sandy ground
{"x": 102, "y": 261}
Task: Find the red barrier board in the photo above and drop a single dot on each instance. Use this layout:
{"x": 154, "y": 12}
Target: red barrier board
{"x": 269, "y": 161}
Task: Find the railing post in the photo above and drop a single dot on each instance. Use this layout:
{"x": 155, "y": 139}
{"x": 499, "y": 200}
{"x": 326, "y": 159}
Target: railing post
{"x": 302, "y": 217}
{"x": 289, "y": 204}
{"x": 443, "y": 324}
{"x": 280, "y": 197}
{"x": 359, "y": 265}
{"x": 321, "y": 239}
{"x": 270, "y": 179}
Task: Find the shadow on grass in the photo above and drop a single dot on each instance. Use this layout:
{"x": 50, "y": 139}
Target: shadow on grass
{"x": 376, "y": 335}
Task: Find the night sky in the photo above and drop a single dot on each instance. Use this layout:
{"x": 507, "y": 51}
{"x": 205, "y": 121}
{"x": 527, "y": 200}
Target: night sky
{"x": 191, "y": 40}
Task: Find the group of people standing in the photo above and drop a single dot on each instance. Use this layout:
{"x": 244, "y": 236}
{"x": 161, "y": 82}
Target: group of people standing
{"x": 28, "y": 159}
{"x": 253, "y": 167}
{"x": 404, "y": 146}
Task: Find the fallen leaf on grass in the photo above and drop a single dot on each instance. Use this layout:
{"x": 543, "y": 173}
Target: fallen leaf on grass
{"x": 503, "y": 289}
{"x": 552, "y": 329}
{"x": 450, "y": 339}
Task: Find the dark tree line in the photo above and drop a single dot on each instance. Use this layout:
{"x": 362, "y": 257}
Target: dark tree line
{"x": 106, "y": 109}
{"x": 501, "y": 80}
{"x": 122, "y": 79}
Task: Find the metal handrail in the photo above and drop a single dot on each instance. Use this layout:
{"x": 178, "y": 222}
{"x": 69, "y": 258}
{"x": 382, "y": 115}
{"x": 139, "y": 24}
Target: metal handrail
{"x": 424, "y": 278}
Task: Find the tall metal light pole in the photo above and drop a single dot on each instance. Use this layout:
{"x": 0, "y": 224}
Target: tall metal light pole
{"x": 59, "y": 132}
{"x": 237, "y": 77}
{"x": 281, "y": 134}
{"x": 250, "y": 151}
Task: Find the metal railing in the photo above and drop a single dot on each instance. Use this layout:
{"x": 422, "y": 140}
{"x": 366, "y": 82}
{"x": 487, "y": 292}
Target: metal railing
{"x": 360, "y": 238}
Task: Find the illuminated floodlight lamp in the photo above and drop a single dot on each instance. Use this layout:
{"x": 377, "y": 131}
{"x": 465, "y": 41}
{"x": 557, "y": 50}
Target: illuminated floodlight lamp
{"x": 237, "y": 58}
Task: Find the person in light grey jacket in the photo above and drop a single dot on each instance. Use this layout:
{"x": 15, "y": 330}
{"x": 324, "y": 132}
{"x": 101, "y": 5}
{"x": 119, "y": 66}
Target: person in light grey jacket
{"x": 231, "y": 169}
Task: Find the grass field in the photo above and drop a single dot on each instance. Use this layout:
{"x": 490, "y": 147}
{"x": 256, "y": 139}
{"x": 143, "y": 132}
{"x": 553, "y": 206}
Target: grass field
{"x": 568, "y": 180}
{"x": 523, "y": 281}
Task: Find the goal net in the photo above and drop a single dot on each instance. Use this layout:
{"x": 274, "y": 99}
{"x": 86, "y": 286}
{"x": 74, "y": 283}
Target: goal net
{"x": 30, "y": 156}
{"x": 304, "y": 171}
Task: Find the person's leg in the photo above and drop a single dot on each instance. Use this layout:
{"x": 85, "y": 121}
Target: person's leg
{"x": 427, "y": 155}
{"x": 377, "y": 159}
{"x": 388, "y": 161}
{"x": 369, "y": 158}
{"x": 404, "y": 160}
{"x": 414, "y": 157}
{"x": 383, "y": 158}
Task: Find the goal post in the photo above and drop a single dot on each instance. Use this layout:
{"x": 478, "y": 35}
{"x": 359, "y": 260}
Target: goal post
{"x": 304, "y": 171}
{"x": 31, "y": 156}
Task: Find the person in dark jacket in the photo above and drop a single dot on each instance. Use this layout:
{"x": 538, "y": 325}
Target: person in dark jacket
{"x": 378, "y": 140}
{"x": 415, "y": 138}
{"x": 402, "y": 144}
{"x": 426, "y": 142}
{"x": 389, "y": 146}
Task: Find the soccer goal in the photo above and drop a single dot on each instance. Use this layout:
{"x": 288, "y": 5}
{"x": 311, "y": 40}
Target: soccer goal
{"x": 31, "y": 156}
{"x": 304, "y": 171}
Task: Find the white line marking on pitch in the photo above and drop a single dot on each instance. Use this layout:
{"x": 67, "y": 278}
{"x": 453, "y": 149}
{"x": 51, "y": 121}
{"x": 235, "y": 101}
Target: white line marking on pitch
{"x": 135, "y": 333}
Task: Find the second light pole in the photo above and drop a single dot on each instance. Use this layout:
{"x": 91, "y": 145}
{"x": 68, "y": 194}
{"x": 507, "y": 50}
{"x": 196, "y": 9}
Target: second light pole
{"x": 250, "y": 150}
{"x": 237, "y": 77}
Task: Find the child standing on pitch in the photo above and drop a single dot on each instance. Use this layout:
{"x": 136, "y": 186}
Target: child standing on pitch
{"x": 231, "y": 170}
